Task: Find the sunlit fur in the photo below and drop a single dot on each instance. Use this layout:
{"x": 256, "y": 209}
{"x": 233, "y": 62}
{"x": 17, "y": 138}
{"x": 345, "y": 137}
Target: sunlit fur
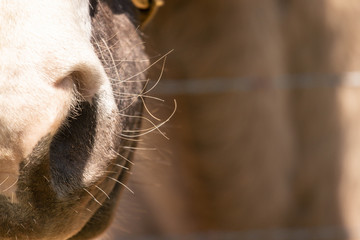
{"x": 70, "y": 87}
{"x": 38, "y": 54}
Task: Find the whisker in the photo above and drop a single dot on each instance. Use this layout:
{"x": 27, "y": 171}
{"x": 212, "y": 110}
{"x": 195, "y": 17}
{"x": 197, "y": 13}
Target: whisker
{"x": 110, "y": 172}
{"x": 46, "y": 178}
{"x": 131, "y": 140}
{"x": 147, "y": 109}
{"x": 112, "y": 37}
{"x": 17, "y": 179}
{"x": 129, "y": 105}
{"x": 121, "y": 166}
{"x": 118, "y": 154}
{"x": 140, "y": 148}
{"x": 93, "y": 197}
{"x": 102, "y": 191}
{"x": 130, "y": 81}
{"x": 4, "y": 180}
{"x": 146, "y": 119}
{"x": 122, "y": 184}
{"x": 27, "y": 164}
{"x": 77, "y": 212}
{"x": 150, "y": 66}
{"x": 103, "y": 10}
{"x": 130, "y": 60}
{"x": 160, "y": 76}
{"x": 156, "y": 127}
{"x": 134, "y": 95}
{"x": 134, "y": 99}
{"x": 128, "y": 52}
{"x": 112, "y": 58}
{"x": 100, "y": 51}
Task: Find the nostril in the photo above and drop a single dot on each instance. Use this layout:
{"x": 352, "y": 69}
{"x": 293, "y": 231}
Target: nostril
{"x": 65, "y": 83}
{"x": 84, "y": 83}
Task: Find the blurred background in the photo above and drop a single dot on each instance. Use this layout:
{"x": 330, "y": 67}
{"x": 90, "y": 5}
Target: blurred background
{"x": 265, "y": 141}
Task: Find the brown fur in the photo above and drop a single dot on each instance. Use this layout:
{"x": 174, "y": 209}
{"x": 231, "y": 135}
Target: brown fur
{"x": 266, "y": 157}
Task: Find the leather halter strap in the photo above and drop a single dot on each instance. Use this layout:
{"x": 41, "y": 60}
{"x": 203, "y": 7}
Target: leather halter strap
{"x": 148, "y": 9}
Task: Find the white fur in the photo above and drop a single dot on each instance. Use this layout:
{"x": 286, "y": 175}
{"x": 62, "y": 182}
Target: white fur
{"x": 41, "y": 43}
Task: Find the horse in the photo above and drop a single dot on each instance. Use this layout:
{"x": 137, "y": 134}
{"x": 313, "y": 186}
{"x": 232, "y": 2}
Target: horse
{"x": 72, "y": 80}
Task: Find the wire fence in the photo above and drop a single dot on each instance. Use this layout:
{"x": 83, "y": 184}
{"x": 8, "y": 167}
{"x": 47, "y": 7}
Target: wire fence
{"x": 223, "y": 85}
{"x": 170, "y": 87}
{"x": 326, "y": 233}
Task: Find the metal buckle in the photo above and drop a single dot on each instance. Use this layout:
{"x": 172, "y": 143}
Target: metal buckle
{"x": 148, "y": 9}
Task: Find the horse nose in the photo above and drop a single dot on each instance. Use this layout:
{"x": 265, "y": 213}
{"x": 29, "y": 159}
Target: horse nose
{"x": 46, "y": 67}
